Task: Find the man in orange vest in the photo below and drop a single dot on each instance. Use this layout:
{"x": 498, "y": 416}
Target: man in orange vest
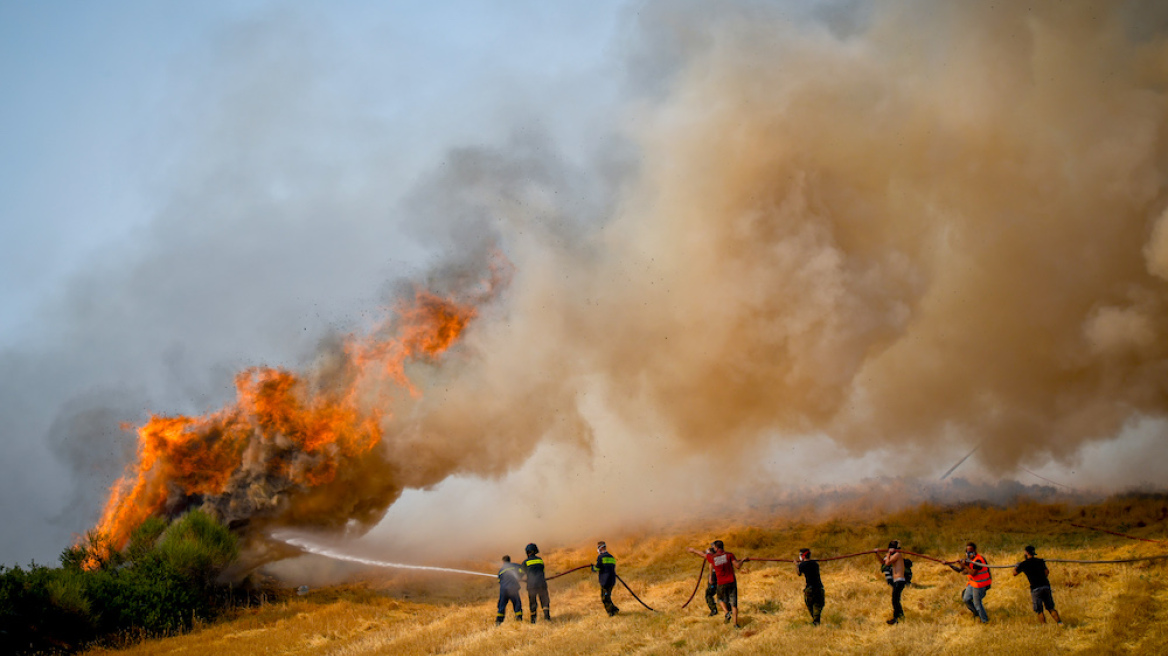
{"x": 979, "y": 580}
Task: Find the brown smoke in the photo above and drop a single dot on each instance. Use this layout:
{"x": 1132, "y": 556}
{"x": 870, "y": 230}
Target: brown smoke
{"x": 944, "y": 227}
{"x": 935, "y": 227}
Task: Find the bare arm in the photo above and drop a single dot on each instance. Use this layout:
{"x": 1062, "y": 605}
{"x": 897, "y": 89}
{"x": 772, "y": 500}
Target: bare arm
{"x": 695, "y": 552}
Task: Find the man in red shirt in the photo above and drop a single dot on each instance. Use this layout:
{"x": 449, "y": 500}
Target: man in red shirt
{"x": 723, "y": 562}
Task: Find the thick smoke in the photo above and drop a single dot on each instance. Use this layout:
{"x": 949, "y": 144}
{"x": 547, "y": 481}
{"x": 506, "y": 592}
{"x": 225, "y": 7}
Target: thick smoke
{"x": 911, "y": 232}
{"x": 942, "y": 227}
{"x": 899, "y": 229}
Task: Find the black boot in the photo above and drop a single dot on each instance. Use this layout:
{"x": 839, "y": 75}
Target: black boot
{"x": 547, "y": 615}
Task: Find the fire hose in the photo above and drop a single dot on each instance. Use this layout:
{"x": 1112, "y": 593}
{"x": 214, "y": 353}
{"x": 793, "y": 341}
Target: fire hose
{"x": 574, "y": 569}
{"x": 701, "y": 575}
{"x": 622, "y": 582}
{"x": 851, "y": 555}
{"x": 1122, "y": 535}
{"x": 963, "y": 561}
{"x": 1078, "y": 562}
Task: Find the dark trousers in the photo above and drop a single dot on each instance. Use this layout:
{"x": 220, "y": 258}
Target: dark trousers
{"x": 509, "y": 595}
{"x": 814, "y": 598}
{"x": 606, "y": 599}
{"x": 711, "y": 591}
{"x": 539, "y": 593}
{"x": 897, "y": 589}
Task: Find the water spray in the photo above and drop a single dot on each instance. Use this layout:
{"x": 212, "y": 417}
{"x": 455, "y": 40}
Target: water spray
{"x": 319, "y": 550}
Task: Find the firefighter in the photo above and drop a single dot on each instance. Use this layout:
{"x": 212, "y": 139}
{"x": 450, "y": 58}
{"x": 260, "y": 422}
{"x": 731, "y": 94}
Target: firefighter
{"x": 606, "y": 567}
{"x": 509, "y": 576}
{"x": 537, "y": 587}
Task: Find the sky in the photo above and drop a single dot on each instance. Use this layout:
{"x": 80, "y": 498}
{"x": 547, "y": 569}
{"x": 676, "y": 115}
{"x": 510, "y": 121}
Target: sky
{"x": 123, "y": 121}
{"x": 99, "y": 99}
{"x": 801, "y": 242}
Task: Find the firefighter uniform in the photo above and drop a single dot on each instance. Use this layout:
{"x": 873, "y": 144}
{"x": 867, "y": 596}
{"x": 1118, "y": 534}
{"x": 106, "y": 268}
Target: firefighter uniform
{"x": 537, "y": 587}
{"x": 606, "y": 568}
{"x": 509, "y": 575}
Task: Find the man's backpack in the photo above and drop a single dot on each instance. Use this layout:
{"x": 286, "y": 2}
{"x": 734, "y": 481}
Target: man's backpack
{"x": 887, "y": 569}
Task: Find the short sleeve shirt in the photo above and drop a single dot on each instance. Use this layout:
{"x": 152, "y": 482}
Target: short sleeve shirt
{"x": 1035, "y": 570}
{"x": 809, "y": 570}
{"x": 723, "y": 565}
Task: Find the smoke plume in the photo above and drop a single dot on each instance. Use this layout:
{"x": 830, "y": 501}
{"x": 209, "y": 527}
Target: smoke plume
{"x": 911, "y": 229}
{"x": 904, "y": 229}
{"x": 944, "y": 226}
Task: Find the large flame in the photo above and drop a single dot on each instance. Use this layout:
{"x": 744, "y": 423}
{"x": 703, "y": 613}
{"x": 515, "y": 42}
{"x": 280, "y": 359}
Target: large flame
{"x": 285, "y": 438}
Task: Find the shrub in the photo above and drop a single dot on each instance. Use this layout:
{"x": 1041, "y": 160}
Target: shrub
{"x": 161, "y": 582}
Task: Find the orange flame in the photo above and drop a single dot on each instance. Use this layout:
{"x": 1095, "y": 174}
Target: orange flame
{"x": 281, "y": 433}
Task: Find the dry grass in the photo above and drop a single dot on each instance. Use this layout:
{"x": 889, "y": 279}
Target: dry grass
{"x": 1107, "y": 609}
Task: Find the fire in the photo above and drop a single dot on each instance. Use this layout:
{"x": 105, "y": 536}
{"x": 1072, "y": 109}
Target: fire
{"x": 285, "y": 436}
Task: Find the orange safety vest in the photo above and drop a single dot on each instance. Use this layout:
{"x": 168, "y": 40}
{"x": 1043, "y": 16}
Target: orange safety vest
{"x": 981, "y": 579}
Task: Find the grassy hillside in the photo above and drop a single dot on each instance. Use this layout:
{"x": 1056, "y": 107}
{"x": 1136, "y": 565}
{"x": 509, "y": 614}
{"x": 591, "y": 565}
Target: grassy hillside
{"x": 1107, "y": 609}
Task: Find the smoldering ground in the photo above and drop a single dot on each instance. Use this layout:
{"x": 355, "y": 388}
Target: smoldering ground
{"x": 908, "y": 227}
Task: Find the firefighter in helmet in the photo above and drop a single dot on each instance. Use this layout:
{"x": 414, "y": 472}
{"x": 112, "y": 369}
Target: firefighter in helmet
{"x": 537, "y": 587}
{"x": 606, "y": 568}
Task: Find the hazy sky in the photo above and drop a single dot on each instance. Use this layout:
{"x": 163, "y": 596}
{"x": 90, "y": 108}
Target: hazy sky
{"x": 791, "y": 241}
{"x": 101, "y": 100}
{"x": 225, "y": 176}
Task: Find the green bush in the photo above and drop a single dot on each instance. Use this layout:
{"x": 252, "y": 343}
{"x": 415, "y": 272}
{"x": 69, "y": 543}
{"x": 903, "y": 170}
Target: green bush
{"x": 198, "y": 546}
{"x": 161, "y": 582}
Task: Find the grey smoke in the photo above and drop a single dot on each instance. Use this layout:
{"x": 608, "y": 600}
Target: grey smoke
{"x": 904, "y": 229}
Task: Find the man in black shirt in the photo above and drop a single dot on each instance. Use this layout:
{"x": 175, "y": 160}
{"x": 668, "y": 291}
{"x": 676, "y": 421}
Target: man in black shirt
{"x": 1040, "y": 596}
{"x": 813, "y": 587}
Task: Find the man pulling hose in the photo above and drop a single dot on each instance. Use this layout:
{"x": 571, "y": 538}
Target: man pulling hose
{"x": 537, "y": 587}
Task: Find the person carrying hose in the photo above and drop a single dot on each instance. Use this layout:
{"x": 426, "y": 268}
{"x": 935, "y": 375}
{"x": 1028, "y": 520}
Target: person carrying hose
{"x": 724, "y": 564}
{"x": 606, "y": 568}
{"x": 509, "y": 576}
{"x": 813, "y": 595}
{"x": 978, "y": 581}
{"x": 894, "y": 560}
{"x": 712, "y": 588}
{"x": 537, "y": 587}
{"x": 1040, "y": 596}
